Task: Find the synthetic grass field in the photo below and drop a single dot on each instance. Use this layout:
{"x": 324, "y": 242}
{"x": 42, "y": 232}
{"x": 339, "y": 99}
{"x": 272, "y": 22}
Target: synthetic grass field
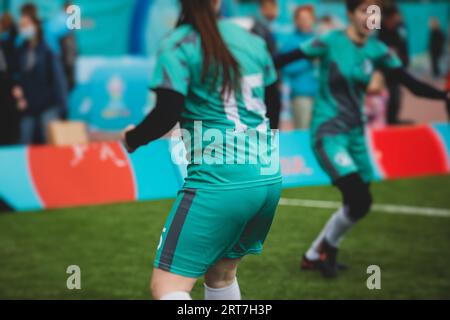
{"x": 114, "y": 247}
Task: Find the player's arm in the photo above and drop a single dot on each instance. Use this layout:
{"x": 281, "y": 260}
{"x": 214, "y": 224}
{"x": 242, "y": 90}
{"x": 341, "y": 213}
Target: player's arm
{"x": 283, "y": 59}
{"x": 170, "y": 82}
{"x": 421, "y": 88}
{"x": 272, "y": 96}
{"x": 392, "y": 66}
{"x": 415, "y": 85}
{"x": 314, "y": 48}
{"x": 158, "y": 122}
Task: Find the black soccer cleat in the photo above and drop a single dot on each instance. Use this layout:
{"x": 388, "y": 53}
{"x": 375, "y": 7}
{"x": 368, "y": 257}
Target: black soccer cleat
{"x": 328, "y": 256}
{"x": 317, "y": 265}
{"x": 308, "y": 264}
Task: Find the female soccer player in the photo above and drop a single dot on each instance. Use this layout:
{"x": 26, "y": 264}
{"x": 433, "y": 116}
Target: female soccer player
{"x": 215, "y": 74}
{"x": 348, "y": 60}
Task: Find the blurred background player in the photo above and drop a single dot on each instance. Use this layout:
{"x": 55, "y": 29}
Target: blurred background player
{"x": 217, "y": 73}
{"x": 348, "y": 60}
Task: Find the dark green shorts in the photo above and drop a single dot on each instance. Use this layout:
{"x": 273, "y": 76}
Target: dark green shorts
{"x": 205, "y": 226}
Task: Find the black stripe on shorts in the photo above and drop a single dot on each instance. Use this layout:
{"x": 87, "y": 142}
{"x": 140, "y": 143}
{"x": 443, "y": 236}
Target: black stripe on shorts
{"x": 176, "y": 226}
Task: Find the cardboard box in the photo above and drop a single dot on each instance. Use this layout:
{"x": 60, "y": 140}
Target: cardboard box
{"x": 62, "y": 133}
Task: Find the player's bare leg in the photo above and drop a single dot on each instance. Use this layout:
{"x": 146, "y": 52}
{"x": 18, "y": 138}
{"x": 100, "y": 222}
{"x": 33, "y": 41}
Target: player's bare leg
{"x": 221, "y": 282}
{"x": 169, "y": 286}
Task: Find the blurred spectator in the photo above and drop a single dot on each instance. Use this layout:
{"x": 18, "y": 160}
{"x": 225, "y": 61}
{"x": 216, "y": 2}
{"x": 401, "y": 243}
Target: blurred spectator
{"x": 436, "y": 46}
{"x": 69, "y": 54}
{"x": 301, "y": 74}
{"x": 393, "y": 34}
{"x": 61, "y": 41}
{"x": 9, "y": 117}
{"x": 269, "y": 12}
{"x": 41, "y": 91}
{"x": 8, "y": 34}
{"x": 262, "y": 27}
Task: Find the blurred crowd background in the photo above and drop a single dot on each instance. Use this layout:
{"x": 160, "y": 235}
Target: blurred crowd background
{"x": 96, "y": 77}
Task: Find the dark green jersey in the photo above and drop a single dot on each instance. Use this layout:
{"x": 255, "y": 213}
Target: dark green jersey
{"x": 345, "y": 72}
{"x": 207, "y": 113}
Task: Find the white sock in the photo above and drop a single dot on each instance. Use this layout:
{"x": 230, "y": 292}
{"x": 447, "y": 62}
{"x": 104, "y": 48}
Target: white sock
{"x": 339, "y": 225}
{"x": 177, "y": 295}
{"x": 334, "y": 230}
{"x": 313, "y": 251}
{"x": 232, "y": 292}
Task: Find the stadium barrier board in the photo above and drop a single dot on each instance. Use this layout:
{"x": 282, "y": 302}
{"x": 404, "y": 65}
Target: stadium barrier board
{"x": 45, "y": 177}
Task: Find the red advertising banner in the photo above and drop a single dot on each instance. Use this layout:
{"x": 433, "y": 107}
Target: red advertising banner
{"x": 409, "y": 152}
{"x": 80, "y": 175}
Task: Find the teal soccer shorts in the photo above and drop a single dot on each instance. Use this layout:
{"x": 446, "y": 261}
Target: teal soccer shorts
{"x": 342, "y": 154}
{"x": 205, "y": 226}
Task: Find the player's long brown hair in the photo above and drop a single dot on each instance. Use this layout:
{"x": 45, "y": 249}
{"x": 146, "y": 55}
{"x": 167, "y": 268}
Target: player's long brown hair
{"x": 217, "y": 58}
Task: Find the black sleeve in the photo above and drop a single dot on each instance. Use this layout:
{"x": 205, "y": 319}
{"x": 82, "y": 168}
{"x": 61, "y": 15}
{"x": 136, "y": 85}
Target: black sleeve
{"x": 159, "y": 121}
{"x": 272, "y": 100}
{"x": 284, "y": 59}
{"x": 416, "y": 86}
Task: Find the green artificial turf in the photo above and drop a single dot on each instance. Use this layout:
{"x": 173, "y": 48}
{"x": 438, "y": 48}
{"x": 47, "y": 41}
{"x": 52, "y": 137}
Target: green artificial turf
{"x": 114, "y": 246}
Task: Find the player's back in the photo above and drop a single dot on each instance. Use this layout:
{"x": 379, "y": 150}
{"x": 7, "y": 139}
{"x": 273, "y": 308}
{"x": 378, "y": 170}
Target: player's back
{"x": 179, "y": 67}
{"x": 204, "y": 99}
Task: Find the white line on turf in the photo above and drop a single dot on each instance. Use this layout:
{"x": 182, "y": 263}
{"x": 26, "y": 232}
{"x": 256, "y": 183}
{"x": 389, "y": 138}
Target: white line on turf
{"x": 386, "y": 208}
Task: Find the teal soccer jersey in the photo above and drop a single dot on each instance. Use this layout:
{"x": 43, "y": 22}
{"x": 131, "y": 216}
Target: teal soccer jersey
{"x": 338, "y": 117}
{"x": 233, "y": 161}
{"x": 345, "y": 72}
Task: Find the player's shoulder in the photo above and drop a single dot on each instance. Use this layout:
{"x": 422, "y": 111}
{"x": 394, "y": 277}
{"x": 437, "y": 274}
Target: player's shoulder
{"x": 232, "y": 30}
{"x": 326, "y": 39}
{"x": 179, "y": 37}
{"x": 333, "y": 35}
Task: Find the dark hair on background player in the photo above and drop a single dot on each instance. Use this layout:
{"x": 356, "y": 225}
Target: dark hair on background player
{"x": 202, "y": 16}
{"x": 352, "y": 5}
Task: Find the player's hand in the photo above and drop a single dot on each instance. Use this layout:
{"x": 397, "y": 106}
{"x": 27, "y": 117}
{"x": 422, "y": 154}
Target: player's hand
{"x": 123, "y": 138}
